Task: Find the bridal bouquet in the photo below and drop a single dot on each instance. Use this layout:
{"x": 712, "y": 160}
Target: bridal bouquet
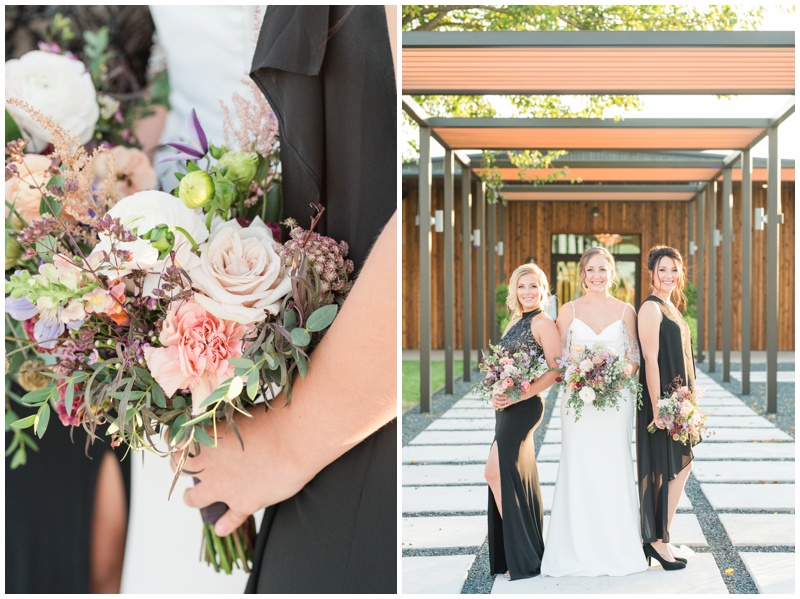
{"x": 595, "y": 376}
{"x": 507, "y": 373}
{"x": 166, "y": 314}
{"x": 679, "y": 414}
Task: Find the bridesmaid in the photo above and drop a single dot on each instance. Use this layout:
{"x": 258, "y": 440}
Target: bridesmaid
{"x": 663, "y": 464}
{"x": 516, "y": 544}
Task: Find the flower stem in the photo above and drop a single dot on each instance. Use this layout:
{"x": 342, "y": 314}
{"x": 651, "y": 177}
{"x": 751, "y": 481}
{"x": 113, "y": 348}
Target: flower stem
{"x": 185, "y": 234}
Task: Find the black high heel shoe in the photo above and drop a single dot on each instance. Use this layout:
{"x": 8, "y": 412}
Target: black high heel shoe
{"x": 665, "y": 564}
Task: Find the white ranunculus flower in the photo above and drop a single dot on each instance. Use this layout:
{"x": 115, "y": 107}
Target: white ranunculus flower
{"x": 587, "y": 365}
{"x": 239, "y": 273}
{"x": 58, "y": 87}
{"x": 144, "y": 211}
{"x": 587, "y": 395}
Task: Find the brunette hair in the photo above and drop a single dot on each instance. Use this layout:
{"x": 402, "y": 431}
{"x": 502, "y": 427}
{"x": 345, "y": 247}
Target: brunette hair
{"x": 654, "y": 257}
{"x": 587, "y": 255}
{"x": 512, "y": 302}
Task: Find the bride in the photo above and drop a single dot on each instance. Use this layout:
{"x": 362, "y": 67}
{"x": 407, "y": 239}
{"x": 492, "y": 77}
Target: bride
{"x": 594, "y": 521}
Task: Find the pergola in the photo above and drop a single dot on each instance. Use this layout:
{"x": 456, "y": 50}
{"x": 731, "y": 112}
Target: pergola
{"x": 616, "y": 62}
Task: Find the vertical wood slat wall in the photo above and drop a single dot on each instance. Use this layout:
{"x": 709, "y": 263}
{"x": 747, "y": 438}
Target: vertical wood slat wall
{"x": 529, "y": 226}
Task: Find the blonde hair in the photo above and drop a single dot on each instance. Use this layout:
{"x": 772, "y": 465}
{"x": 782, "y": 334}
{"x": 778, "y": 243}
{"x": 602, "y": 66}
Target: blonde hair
{"x": 654, "y": 257}
{"x": 590, "y": 253}
{"x": 514, "y": 307}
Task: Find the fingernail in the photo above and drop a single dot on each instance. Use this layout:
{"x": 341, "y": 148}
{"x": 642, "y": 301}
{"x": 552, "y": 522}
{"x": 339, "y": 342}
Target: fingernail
{"x": 222, "y": 528}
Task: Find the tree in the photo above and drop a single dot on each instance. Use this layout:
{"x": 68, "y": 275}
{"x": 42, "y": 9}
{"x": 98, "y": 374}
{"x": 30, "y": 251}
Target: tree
{"x": 583, "y": 17}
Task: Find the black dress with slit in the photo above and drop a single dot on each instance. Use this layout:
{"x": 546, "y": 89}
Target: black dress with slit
{"x": 516, "y": 542}
{"x": 659, "y": 458}
{"x": 328, "y": 75}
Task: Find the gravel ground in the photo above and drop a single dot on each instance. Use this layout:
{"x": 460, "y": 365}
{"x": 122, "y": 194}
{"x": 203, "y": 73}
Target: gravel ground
{"x": 757, "y": 400}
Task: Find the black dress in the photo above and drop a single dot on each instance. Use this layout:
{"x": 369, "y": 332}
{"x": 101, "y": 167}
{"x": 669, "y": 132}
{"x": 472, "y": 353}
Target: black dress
{"x": 516, "y": 543}
{"x": 659, "y": 458}
{"x": 328, "y": 75}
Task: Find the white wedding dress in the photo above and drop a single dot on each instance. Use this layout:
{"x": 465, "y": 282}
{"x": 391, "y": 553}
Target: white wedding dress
{"x": 208, "y": 50}
{"x": 594, "y": 522}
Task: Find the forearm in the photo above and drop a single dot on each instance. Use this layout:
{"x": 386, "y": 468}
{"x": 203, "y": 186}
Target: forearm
{"x": 541, "y": 384}
{"x": 351, "y": 387}
{"x": 653, "y": 382}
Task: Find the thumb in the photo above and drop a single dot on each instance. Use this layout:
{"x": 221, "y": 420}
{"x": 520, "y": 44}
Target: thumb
{"x": 230, "y": 521}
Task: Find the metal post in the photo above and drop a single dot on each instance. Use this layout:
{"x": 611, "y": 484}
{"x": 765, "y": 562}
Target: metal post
{"x": 727, "y": 248}
{"x": 425, "y": 241}
{"x": 501, "y": 240}
{"x": 491, "y": 239}
{"x": 774, "y": 218}
{"x": 690, "y": 261}
{"x": 701, "y": 273}
{"x": 712, "y": 280}
{"x": 480, "y": 266}
{"x": 747, "y": 265}
{"x": 466, "y": 271}
{"x": 449, "y": 276}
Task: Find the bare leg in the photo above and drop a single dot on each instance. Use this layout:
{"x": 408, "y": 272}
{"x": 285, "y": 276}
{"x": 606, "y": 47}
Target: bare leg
{"x": 109, "y": 528}
{"x": 676, "y": 486}
{"x": 492, "y": 475}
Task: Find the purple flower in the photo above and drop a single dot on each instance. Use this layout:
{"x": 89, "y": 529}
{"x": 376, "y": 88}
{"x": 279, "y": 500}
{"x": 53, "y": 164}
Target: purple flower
{"x": 21, "y": 309}
{"x": 190, "y": 151}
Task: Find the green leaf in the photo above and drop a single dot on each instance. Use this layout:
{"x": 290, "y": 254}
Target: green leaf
{"x": 69, "y": 397}
{"x": 289, "y": 320}
{"x": 216, "y": 395}
{"x": 322, "y": 318}
{"x": 12, "y": 129}
{"x": 252, "y": 383}
{"x": 158, "y": 396}
{"x": 241, "y": 362}
{"x": 191, "y": 166}
{"x": 18, "y": 459}
{"x": 302, "y": 364}
{"x": 42, "y": 418}
{"x": 24, "y": 422}
{"x": 272, "y": 361}
{"x": 202, "y": 437}
{"x": 35, "y": 398}
{"x": 300, "y": 337}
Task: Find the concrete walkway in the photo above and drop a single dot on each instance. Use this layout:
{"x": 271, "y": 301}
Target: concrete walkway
{"x": 737, "y": 513}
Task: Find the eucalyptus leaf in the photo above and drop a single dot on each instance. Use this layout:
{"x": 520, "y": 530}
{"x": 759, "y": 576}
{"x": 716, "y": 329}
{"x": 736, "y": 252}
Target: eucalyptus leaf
{"x": 216, "y": 395}
{"x": 178, "y": 402}
{"x": 69, "y": 397}
{"x": 42, "y": 418}
{"x": 158, "y": 396}
{"x": 35, "y": 398}
{"x": 18, "y": 459}
{"x": 271, "y": 360}
{"x": 302, "y": 364}
{"x": 290, "y": 319}
{"x": 24, "y": 422}
{"x": 300, "y": 337}
{"x": 322, "y": 318}
{"x": 241, "y": 362}
{"x": 202, "y": 437}
{"x": 252, "y": 384}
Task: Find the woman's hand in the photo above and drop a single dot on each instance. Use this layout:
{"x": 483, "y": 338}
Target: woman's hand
{"x": 501, "y": 401}
{"x": 657, "y": 423}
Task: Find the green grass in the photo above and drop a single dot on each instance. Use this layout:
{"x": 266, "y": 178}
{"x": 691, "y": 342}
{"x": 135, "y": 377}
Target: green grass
{"x": 411, "y": 379}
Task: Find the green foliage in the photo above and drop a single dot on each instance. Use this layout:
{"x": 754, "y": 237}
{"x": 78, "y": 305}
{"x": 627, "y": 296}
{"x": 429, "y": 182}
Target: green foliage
{"x": 690, "y": 310}
{"x": 12, "y": 130}
{"x": 501, "y": 313}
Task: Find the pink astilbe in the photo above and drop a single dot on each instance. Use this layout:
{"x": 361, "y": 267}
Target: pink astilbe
{"x": 258, "y": 125}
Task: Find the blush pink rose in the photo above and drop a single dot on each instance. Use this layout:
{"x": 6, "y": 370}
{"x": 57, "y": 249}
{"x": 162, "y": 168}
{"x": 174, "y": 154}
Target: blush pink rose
{"x": 525, "y": 386}
{"x": 24, "y": 191}
{"x": 507, "y": 382}
{"x": 134, "y": 172}
{"x": 196, "y": 349}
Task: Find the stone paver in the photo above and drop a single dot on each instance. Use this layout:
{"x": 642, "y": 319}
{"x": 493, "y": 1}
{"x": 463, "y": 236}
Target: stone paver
{"x": 442, "y": 474}
{"x": 759, "y": 529}
{"x": 743, "y": 451}
{"x": 738, "y": 422}
{"x": 772, "y": 572}
{"x": 728, "y": 411}
{"x": 685, "y": 531}
{"x": 430, "y": 454}
{"x": 454, "y": 438}
{"x": 468, "y": 413}
{"x": 445, "y": 499}
{"x": 702, "y": 577}
{"x": 753, "y": 497}
{"x": 466, "y": 402}
{"x": 439, "y": 574}
{"x": 443, "y": 531}
{"x": 760, "y": 376}
{"x": 747, "y": 434}
{"x": 725, "y": 472}
{"x": 462, "y": 424}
